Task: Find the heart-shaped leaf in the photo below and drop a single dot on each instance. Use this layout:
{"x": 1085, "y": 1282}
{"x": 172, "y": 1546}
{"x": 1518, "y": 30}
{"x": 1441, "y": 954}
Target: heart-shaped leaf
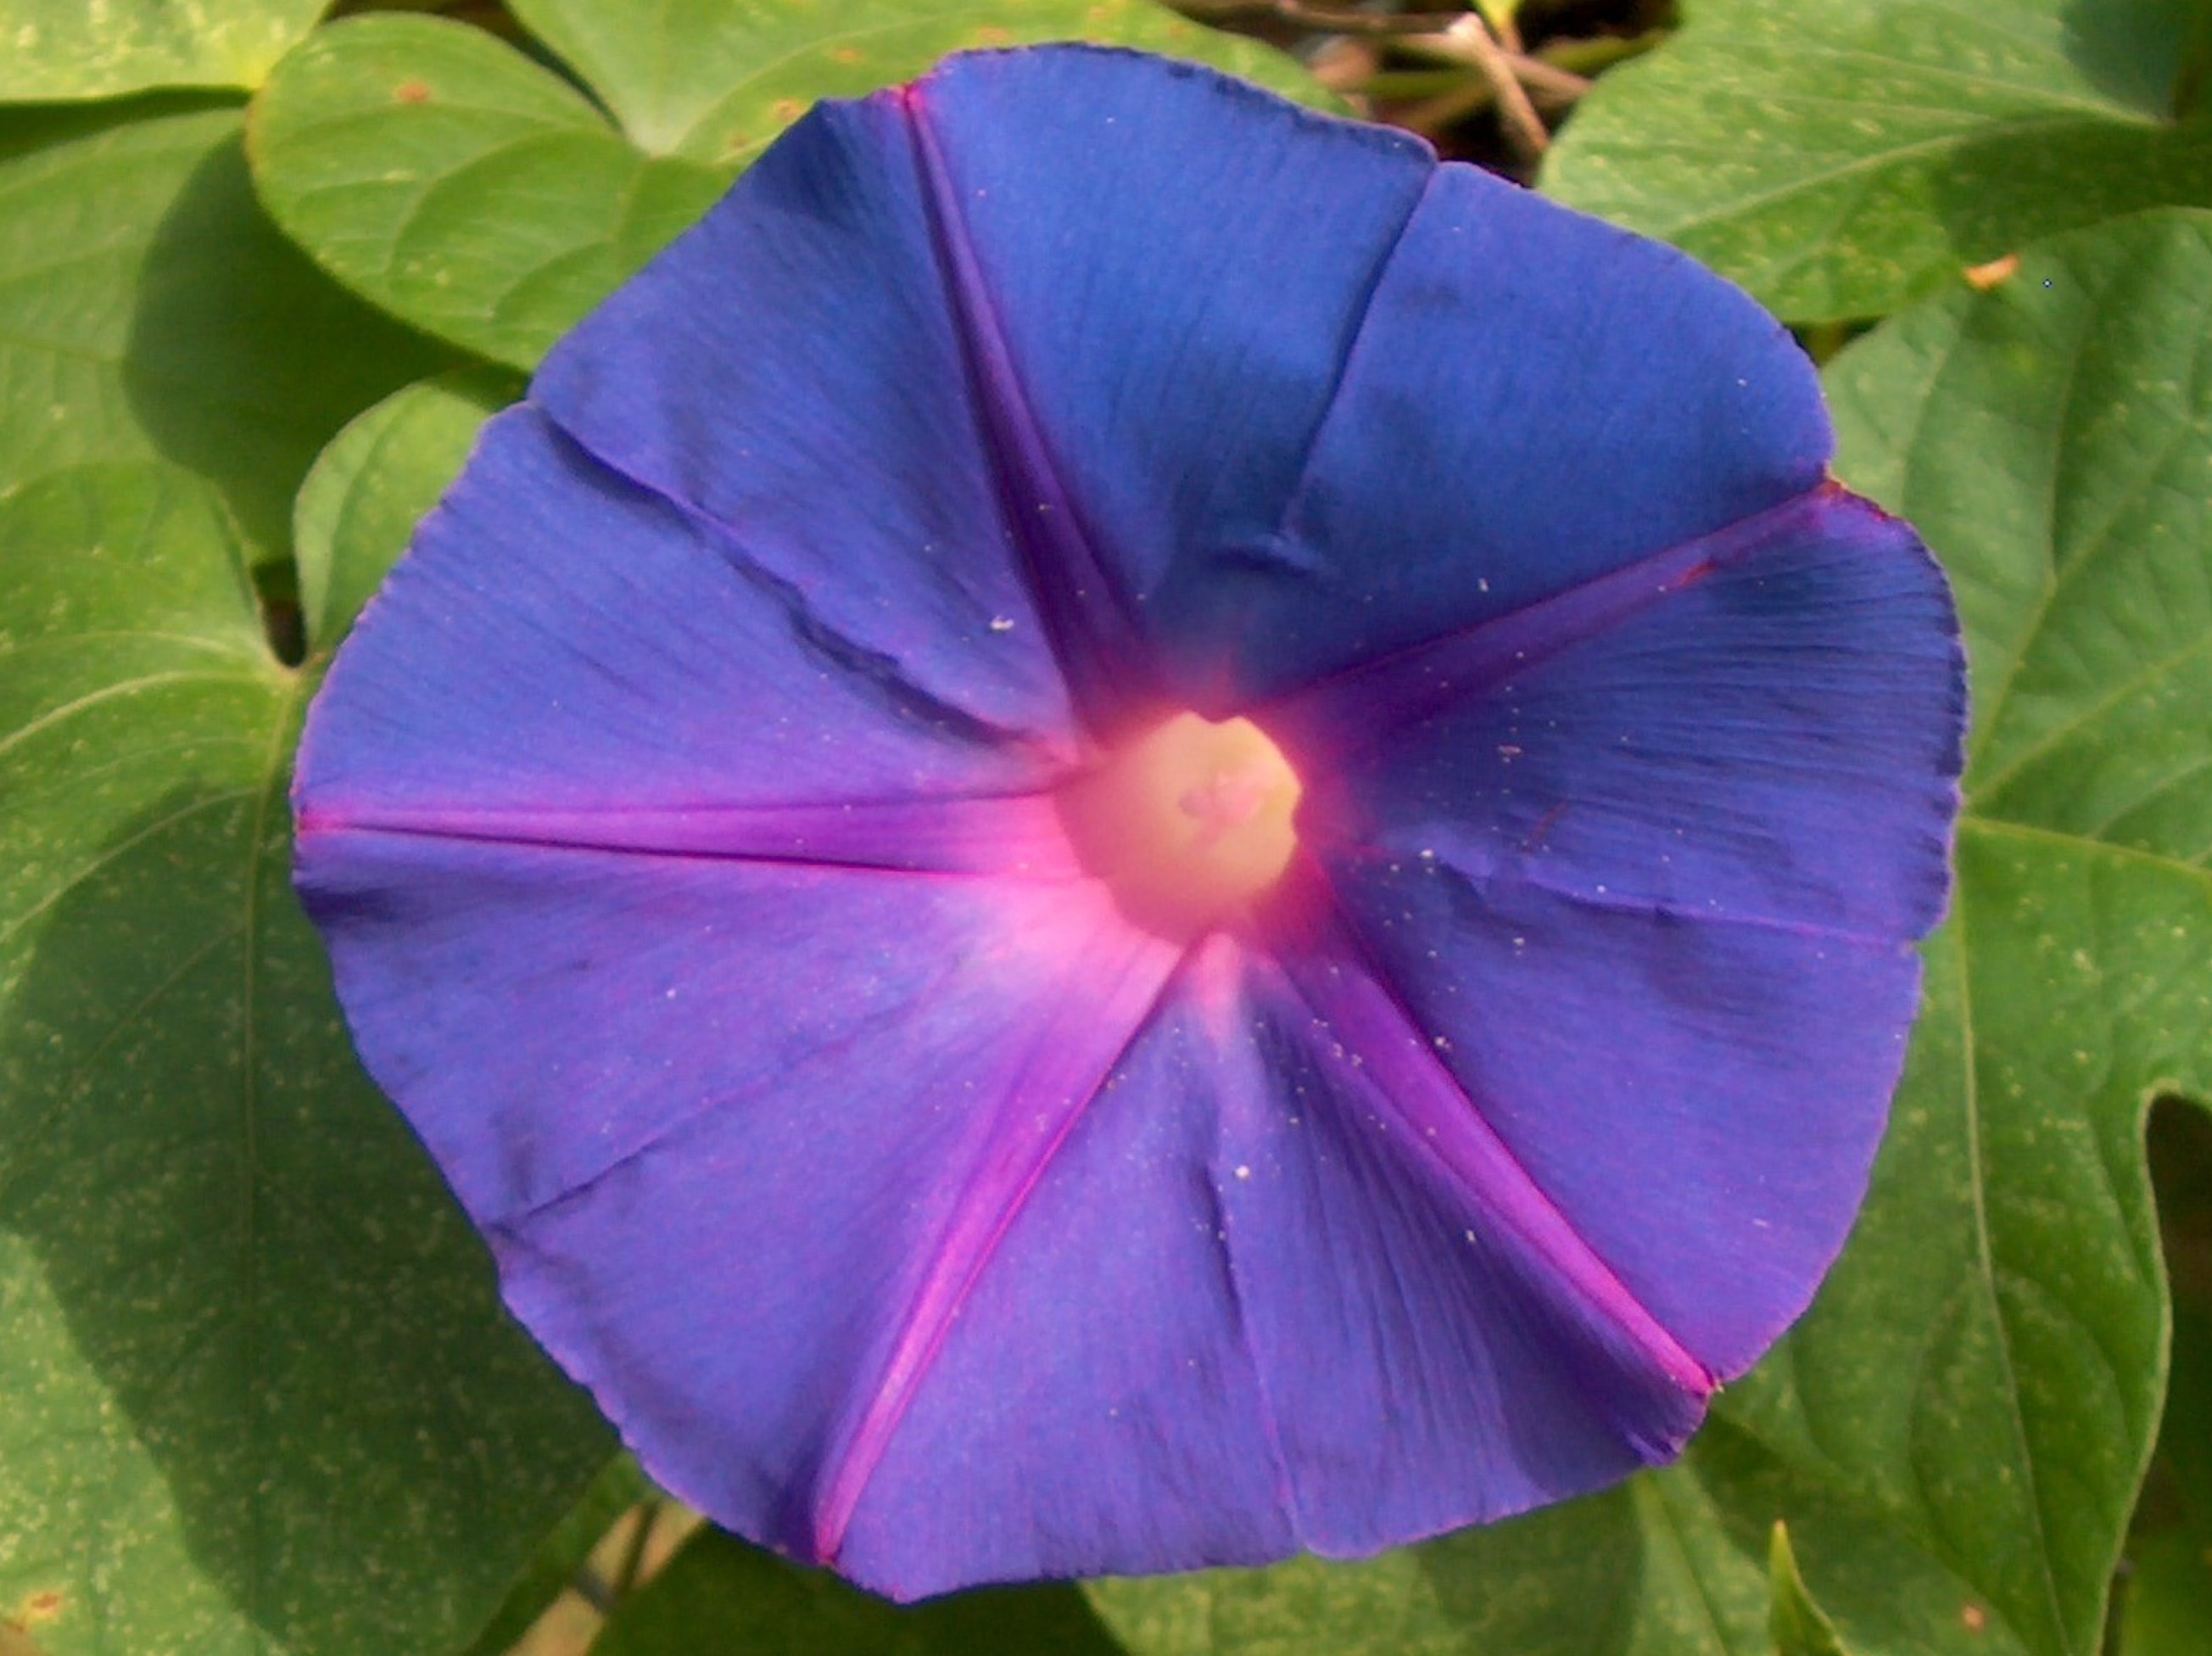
{"x": 473, "y": 192}
{"x": 148, "y": 310}
{"x": 260, "y": 1393}
{"x": 448, "y": 177}
{"x": 1837, "y": 160}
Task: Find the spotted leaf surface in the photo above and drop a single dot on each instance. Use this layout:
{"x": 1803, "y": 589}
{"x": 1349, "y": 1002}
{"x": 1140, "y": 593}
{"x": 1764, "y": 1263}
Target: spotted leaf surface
{"x": 1839, "y": 160}
{"x": 260, "y": 1396}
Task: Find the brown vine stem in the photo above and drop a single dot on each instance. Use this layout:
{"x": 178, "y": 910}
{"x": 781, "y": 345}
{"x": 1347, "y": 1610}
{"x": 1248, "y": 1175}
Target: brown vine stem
{"x": 1471, "y": 41}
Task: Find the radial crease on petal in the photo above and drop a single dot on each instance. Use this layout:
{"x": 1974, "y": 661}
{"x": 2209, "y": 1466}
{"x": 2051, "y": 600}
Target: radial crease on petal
{"x": 1051, "y": 1081}
{"x": 1014, "y": 835}
{"x": 1356, "y": 707}
{"x": 1086, "y": 611}
{"x": 1440, "y": 1119}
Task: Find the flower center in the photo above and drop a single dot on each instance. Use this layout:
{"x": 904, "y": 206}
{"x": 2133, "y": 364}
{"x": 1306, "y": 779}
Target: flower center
{"x": 1186, "y": 822}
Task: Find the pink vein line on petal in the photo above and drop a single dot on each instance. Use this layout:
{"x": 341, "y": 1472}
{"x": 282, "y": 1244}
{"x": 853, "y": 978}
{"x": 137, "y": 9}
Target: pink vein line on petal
{"x": 1085, "y": 613}
{"x": 1437, "y": 1117}
{"x": 1359, "y": 705}
{"x": 1013, "y": 835}
{"x": 1051, "y": 1081}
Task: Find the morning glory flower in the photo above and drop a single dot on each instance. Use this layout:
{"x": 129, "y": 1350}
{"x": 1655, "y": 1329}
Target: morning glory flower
{"x": 1127, "y": 832}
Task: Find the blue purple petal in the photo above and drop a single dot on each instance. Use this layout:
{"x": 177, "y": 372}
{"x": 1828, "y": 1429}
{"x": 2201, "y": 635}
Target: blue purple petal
{"x": 1573, "y": 398}
{"x": 682, "y": 821}
{"x": 1647, "y": 863}
{"x": 561, "y": 640}
{"x": 1234, "y": 425}
{"x": 1169, "y": 358}
{"x": 793, "y": 371}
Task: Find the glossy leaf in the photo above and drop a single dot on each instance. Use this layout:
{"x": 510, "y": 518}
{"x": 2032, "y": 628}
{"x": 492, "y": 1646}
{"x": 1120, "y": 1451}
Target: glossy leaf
{"x": 1838, "y": 161}
{"x": 109, "y": 47}
{"x": 147, "y": 310}
{"x": 719, "y": 1594}
{"x": 1955, "y": 1432}
{"x": 476, "y": 194}
{"x": 438, "y": 171}
{"x": 715, "y": 81}
{"x": 261, "y": 1396}
{"x": 358, "y": 506}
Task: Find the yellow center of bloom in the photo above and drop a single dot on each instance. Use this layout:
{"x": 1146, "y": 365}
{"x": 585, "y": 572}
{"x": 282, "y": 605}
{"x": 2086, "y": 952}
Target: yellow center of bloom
{"x": 1186, "y": 822}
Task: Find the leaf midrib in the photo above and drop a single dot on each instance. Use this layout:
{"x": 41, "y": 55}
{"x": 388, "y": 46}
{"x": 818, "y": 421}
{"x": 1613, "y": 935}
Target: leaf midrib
{"x": 1743, "y": 206}
{"x": 1827, "y": 1476}
{"x": 2084, "y": 845}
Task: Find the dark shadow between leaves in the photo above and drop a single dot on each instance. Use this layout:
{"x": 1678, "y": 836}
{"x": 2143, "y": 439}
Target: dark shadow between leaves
{"x": 2179, "y": 1142}
{"x": 1996, "y": 194}
{"x": 242, "y": 359}
{"x": 721, "y": 1594}
{"x": 2134, "y": 51}
{"x": 289, "y": 1332}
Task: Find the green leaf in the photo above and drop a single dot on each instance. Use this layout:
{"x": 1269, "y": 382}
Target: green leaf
{"x": 147, "y": 310}
{"x": 1675, "y": 1563}
{"x": 475, "y": 193}
{"x": 62, "y": 49}
{"x": 261, "y": 1396}
{"x": 719, "y": 1594}
{"x": 359, "y": 507}
{"x": 716, "y": 80}
{"x": 2052, "y": 441}
{"x": 463, "y": 187}
{"x": 1838, "y": 159}
{"x": 1956, "y": 1431}
{"x": 1798, "y": 1625}
{"x": 619, "y": 1487}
